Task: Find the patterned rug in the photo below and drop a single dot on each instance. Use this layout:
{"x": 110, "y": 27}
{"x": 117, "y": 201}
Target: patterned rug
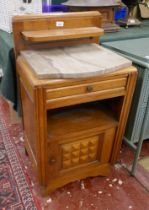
{"x": 15, "y": 187}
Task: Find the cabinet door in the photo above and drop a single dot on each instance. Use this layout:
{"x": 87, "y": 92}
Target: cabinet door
{"x": 72, "y": 160}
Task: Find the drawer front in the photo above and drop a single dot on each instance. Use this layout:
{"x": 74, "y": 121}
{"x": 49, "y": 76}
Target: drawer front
{"x": 85, "y": 92}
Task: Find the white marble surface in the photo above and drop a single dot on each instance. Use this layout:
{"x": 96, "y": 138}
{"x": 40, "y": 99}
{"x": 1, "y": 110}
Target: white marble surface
{"x": 92, "y": 3}
{"x": 74, "y": 62}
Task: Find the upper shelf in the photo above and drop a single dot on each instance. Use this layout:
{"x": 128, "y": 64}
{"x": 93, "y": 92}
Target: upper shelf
{"x": 61, "y": 34}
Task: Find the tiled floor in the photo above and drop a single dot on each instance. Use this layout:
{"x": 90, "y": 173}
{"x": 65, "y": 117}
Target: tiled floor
{"x": 119, "y": 191}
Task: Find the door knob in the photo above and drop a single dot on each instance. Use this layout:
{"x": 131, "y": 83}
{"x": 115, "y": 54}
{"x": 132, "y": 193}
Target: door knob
{"x": 52, "y": 160}
{"x": 89, "y": 88}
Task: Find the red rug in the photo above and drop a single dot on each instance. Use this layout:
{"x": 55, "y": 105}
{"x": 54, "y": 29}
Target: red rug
{"x": 15, "y": 187}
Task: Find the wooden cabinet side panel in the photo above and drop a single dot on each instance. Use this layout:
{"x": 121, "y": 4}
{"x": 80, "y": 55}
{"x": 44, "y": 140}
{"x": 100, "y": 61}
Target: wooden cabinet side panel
{"x": 34, "y": 122}
{"x": 29, "y": 124}
{"x": 123, "y": 115}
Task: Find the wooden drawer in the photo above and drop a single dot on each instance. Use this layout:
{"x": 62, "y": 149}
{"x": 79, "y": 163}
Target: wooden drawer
{"x": 70, "y": 95}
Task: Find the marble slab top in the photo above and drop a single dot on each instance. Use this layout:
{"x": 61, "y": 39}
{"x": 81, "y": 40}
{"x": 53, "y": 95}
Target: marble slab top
{"x": 74, "y": 62}
{"x": 92, "y": 3}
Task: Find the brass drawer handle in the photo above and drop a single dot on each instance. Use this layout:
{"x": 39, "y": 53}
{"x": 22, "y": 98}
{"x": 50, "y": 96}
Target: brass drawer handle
{"x": 52, "y": 161}
{"x": 89, "y": 88}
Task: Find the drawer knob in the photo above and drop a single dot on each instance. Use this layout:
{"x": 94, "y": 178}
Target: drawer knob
{"x": 89, "y": 88}
{"x": 52, "y": 161}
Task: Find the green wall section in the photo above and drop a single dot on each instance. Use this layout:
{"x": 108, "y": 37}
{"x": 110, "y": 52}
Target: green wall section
{"x": 58, "y": 1}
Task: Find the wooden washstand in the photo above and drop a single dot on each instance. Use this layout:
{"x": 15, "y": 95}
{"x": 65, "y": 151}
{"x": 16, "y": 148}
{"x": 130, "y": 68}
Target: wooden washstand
{"x": 73, "y": 127}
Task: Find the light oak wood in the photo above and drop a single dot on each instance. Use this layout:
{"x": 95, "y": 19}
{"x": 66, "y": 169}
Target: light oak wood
{"x": 44, "y": 127}
{"x": 61, "y": 34}
{"x": 84, "y": 89}
{"x": 88, "y": 118}
{"x": 71, "y": 21}
{"x": 73, "y": 127}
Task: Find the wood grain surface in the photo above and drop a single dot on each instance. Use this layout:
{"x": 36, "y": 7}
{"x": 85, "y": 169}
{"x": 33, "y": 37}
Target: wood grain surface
{"x": 61, "y": 34}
